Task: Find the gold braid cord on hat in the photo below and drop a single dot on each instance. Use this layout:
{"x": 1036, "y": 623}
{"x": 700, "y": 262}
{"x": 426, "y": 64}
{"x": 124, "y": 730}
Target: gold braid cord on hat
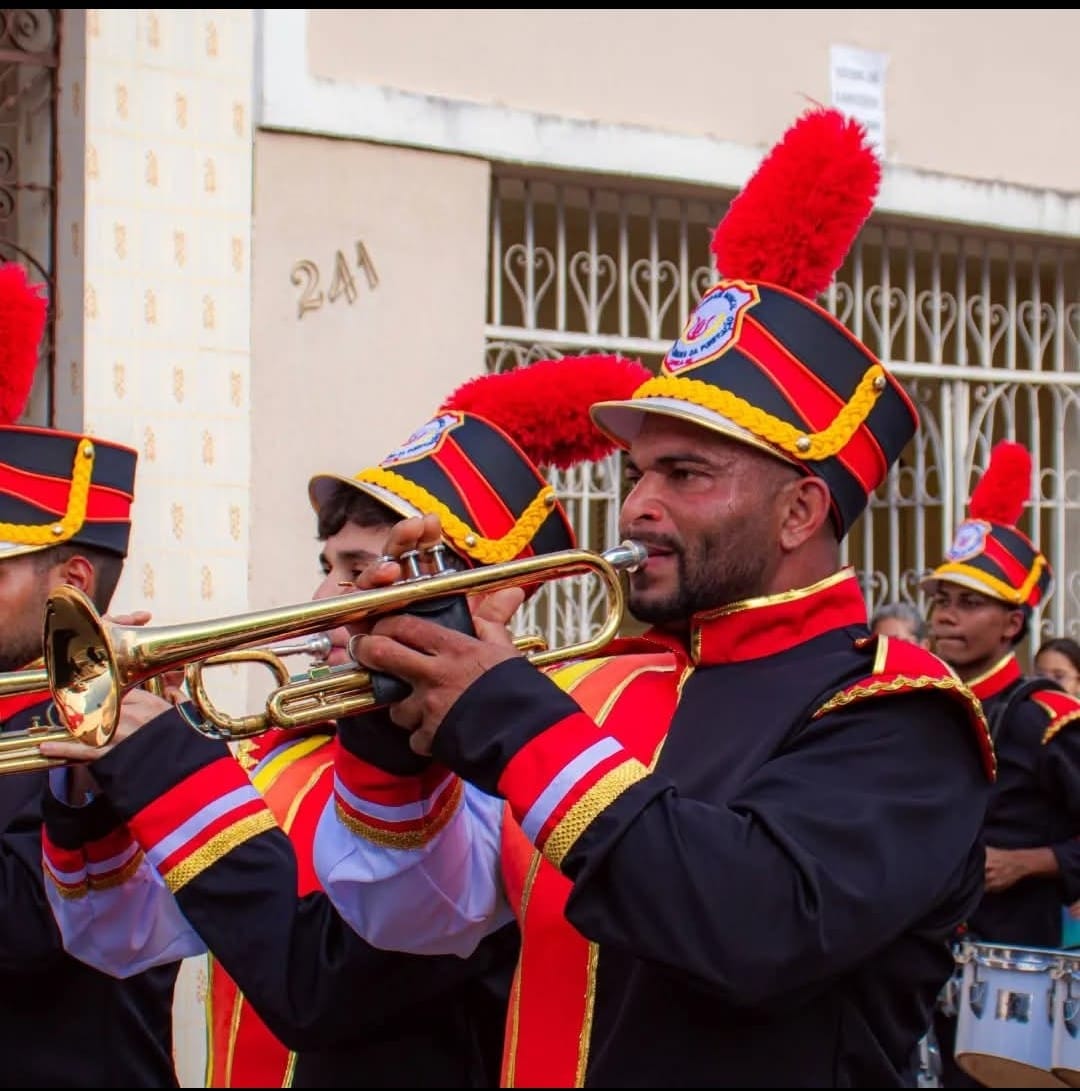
{"x": 814, "y": 447}
{"x": 461, "y": 535}
{"x": 65, "y": 528}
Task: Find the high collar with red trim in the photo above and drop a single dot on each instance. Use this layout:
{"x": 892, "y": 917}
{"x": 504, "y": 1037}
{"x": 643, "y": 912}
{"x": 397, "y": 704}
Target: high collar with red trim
{"x": 771, "y": 624}
{"x": 999, "y": 677}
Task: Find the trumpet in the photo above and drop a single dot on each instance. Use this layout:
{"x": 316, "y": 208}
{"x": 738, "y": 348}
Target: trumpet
{"x": 91, "y": 663}
{"x": 19, "y": 751}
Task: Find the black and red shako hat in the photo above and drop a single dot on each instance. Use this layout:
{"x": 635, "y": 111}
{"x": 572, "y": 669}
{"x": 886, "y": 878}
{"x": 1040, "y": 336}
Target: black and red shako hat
{"x": 55, "y": 486}
{"x": 478, "y": 462}
{"x": 759, "y": 361}
{"x": 989, "y": 553}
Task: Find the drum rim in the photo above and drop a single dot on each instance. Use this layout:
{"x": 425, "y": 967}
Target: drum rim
{"x": 1008, "y": 956}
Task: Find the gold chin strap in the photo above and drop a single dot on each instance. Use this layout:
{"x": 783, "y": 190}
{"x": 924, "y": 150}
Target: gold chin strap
{"x": 464, "y": 539}
{"x": 811, "y": 448}
{"x": 46, "y": 534}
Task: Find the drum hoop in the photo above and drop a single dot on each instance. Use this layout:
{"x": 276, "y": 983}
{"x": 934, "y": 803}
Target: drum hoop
{"x": 997, "y": 956}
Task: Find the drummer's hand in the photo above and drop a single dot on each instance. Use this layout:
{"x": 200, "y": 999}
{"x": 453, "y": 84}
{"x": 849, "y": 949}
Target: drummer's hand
{"x": 137, "y": 708}
{"x": 1006, "y": 867}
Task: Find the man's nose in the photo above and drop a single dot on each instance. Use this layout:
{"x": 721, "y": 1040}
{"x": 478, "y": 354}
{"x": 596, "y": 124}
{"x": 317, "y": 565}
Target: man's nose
{"x": 329, "y": 587}
{"x": 642, "y": 503}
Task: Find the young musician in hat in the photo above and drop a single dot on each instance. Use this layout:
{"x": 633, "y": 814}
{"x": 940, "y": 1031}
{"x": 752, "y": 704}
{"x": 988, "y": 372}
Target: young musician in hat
{"x": 234, "y": 853}
{"x": 981, "y": 600}
{"x": 737, "y": 847}
{"x": 65, "y": 502}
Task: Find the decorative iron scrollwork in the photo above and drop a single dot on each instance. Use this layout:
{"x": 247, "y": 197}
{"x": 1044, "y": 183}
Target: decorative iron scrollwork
{"x": 29, "y": 63}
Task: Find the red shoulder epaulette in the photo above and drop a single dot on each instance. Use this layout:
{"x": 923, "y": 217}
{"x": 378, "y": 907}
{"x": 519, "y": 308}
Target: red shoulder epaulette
{"x": 903, "y": 667}
{"x": 1061, "y": 708}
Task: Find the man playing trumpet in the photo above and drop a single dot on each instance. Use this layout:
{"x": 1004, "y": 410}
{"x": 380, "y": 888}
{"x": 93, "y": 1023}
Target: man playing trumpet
{"x": 227, "y": 863}
{"x": 736, "y": 846}
{"x": 65, "y": 503}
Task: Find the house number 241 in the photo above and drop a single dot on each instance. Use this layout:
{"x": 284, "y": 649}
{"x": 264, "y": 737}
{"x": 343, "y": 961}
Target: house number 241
{"x": 307, "y": 276}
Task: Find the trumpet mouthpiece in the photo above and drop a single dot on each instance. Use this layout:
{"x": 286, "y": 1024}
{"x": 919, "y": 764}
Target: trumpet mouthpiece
{"x": 627, "y": 556}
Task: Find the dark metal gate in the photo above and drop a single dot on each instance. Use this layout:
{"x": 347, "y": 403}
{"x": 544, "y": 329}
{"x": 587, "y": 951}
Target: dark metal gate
{"x": 29, "y": 90}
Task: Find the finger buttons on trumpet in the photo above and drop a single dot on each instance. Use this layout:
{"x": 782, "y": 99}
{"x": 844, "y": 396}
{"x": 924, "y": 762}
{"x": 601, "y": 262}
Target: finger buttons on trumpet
{"x": 437, "y": 556}
{"x": 410, "y": 561}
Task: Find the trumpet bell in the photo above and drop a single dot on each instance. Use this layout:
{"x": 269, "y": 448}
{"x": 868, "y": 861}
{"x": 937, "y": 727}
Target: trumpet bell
{"x": 81, "y": 666}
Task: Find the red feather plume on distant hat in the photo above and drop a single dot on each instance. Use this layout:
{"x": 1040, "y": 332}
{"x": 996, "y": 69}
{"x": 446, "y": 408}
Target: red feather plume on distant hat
{"x": 544, "y": 406}
{"x": 1004, "y": 487}
{"x": 798, "y": 215}
{"x": 23, "y": 310}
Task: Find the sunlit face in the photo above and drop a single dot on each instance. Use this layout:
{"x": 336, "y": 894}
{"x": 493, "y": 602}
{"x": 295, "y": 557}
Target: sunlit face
{"x": 343, "y": 558}
{"x": 969, "y": 630}
{"x": 1059, "y": 667}
{"x": 24, "y": 588}
{"x": 705, "y": 507}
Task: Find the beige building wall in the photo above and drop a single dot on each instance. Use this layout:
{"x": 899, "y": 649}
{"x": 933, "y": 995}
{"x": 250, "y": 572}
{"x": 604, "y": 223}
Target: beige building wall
{"x": 369, "y": 282}
{"x": 154, "y": 290}
{"x": 976, "y": 94}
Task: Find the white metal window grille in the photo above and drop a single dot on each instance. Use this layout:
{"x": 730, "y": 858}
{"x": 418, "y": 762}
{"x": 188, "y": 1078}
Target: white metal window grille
{"x": 983, "y": 329}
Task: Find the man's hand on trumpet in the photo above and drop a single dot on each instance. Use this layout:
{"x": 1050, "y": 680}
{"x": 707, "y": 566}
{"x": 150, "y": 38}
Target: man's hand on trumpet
{"x": 137, "y": 708}
{"x": 437, "y": 662}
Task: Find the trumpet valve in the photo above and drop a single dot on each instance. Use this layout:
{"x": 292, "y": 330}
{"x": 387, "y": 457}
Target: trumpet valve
{"x": 410, "y": 561}
{"x": 437, "y": 553}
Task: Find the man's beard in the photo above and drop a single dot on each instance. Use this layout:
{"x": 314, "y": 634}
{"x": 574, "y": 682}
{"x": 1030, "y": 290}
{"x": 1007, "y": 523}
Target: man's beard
{"x": 18, "y": 651}
{"x": 710, "y": 577}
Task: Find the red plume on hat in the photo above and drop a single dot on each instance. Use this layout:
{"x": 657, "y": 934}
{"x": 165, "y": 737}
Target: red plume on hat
{"x": 798, "y": 215}
{"x": 1005, "y": 486}
{"x": 23, "y": 309}
{"x": 545, "y": 405}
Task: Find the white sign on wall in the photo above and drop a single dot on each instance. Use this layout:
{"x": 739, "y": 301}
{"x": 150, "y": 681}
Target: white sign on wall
{"x": 857, "y": 86}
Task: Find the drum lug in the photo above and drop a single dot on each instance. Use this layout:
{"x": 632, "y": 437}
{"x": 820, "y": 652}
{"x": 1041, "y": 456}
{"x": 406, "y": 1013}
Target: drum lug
{"x": 977, "y": 998}
{"x": 1069, "y": 1009}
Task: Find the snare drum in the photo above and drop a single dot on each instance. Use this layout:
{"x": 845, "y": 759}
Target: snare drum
{"x": 1004, "y": 1024}
{"x": 1065, "y": 1049}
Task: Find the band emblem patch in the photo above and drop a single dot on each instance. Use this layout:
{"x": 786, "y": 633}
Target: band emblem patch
{"x": 427, "y": 439}
{"x": 713, "y": 327}
{"x": 970, "y": 540}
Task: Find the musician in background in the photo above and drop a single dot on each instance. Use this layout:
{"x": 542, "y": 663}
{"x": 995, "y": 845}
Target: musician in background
{"x": 65, "y": 502}
{"x": 900, "y": 620}
{"x": 981, "y": 600}
{"x": 1059, "y": 660}
{"x": 737, "y": 844}
{"x": 227, "y": 863}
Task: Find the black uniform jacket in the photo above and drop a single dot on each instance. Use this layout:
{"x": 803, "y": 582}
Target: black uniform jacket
{"x": 357, "y": 1016}
{"x": 773, "y": 889}
{"x": 63, "y": 1024}
{"x": 1035, "y": 802}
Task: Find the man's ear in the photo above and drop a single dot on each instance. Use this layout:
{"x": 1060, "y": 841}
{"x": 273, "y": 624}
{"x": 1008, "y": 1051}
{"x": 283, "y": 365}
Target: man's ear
{"x": 805, "y": 504}
{"x": 1014, "y": 624}
{"x": 78, "y": 572}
